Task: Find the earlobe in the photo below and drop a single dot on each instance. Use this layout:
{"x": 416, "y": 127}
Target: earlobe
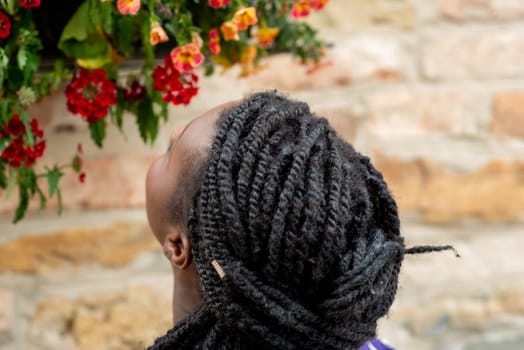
{"x": 177, "y": 249}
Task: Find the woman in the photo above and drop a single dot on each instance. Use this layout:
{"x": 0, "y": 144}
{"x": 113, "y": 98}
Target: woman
{"x": 280, "y": 235}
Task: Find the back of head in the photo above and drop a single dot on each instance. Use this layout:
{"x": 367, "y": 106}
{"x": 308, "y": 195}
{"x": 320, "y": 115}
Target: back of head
{"x": 295, "y": 236}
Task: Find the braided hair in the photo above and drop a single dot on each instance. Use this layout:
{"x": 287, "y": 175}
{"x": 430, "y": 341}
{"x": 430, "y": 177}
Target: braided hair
{"x": 295, "y": 236}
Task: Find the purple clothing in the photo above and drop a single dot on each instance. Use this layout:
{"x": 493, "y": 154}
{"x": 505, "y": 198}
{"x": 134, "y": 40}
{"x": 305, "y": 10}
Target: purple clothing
{"x": 375, "y": 344}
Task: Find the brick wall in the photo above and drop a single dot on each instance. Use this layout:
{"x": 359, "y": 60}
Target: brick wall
{"x": 432, "y": 90}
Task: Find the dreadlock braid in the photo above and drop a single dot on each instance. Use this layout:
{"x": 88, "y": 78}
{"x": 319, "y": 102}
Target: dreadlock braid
{"x": 303, "y": 228}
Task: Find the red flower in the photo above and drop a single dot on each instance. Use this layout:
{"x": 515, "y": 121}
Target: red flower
{"x": 15, "y": 152}
{"x": 82, "y": 177}
{"x": 35, "y": 129}
{"x": 33, "y": 153}
{"x": 90, "y": 94}
{"x": 135, "y": 92}
{"x": 5, "y": 26}
{"x": 318, "y": 4}
{"x": 214, "y": 41}
{"x": 218, "y": 3}
{"x": 29, "y": 4}
{"x": 301, "y": 8}
{"x": 15, "y": 126}
{"x": 18, "y": 152}
{"x": 186, "y": 58}
{"x": 178, "y": 88}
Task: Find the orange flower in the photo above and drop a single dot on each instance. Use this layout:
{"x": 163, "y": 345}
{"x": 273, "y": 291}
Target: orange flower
{"x": 266, "y": 36}
{"x": 301, "y": 8}
{"x": 245, "y": 17}
{"x": 157, "y": 34}
{"x": 128, "y": 7}
{"x": 186, "y": 58}
{"x": 247, "y": 58}
{"x": 229, "y": 31}
{"x": 214, "y": 41}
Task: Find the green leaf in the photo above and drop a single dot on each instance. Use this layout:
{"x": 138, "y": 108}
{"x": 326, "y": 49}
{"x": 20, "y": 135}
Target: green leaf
{"x": 83, "y": 41}
{"x": 123, "y": 35}
{"x": 3, "y": 176}
{"x": 42, "y": 198}
{"x": 4, "y": 60}
{"x": 210, "y": 69}
{"x": 106, "y": 9}
{"x": 4, "y": 108}
{"x": 76, "y": 164}
{"x": 21, "y": 57}
{"x": 30, "y": 67}
{"x": 170, "y": 28}
{"x": 28, "y": 132}
{"x": 98, "y": 131}
{"x": 30, "y": 181}
{"x": 164, "y": 111}
{"x": 59, "y": 197}
{"x": 3, "y": 144}
{"x": 149, "y": 51}
{"x": 11, "y": 180}
{"x": 23, "y": 203}
{"x": 147, "y": 120}
{"x": 53, "y": 177}
{"x": 78, "y": 26}
{"x": 59, "y": 74}
{"x": 119, "y": 111}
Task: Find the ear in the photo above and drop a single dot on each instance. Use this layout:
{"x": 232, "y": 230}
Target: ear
{"x": 177, "y": 249}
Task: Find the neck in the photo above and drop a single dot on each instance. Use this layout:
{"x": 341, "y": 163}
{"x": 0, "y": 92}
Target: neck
{"x": 186, "y": 293}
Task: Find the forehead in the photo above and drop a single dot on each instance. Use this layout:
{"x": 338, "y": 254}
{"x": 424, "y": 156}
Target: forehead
{"x": 197, "y": 135}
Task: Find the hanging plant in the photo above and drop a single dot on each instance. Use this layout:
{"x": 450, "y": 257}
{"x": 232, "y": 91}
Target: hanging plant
{"x": 97, "y": 36}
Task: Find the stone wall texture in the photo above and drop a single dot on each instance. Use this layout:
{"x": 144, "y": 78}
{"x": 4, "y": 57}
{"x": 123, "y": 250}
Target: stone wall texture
{"x": 431, "y": 90}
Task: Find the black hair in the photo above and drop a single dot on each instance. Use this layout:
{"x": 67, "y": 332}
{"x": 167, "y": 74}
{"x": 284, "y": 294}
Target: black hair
{"x": 295, "y": 236}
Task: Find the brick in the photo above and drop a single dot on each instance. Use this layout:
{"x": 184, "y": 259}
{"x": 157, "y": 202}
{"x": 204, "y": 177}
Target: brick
{"x": 354, "y": 59}
{"x": 413, "y": 112}
{"x": 494, "y": 193}
{"x": 51, "y": 325}
{"x": 52, "y": 114}
{"x": 114, "y": 246}
{"x": 127, "y": 319}
{"x": 426, "y": 11}
{"x": 485, "y": 9}
{"x": 464, "y": 311}
{"x": 465, "y": 54}
{"x": 468, "y": 311}
{"x": 6, "y": 311}
{"x": 343, "y": 121}
{"x": 365, "y": 13}
{"x": 460, "y": 9}
{"x": 508, "y": 114}
{"x": 113, "y": 181}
